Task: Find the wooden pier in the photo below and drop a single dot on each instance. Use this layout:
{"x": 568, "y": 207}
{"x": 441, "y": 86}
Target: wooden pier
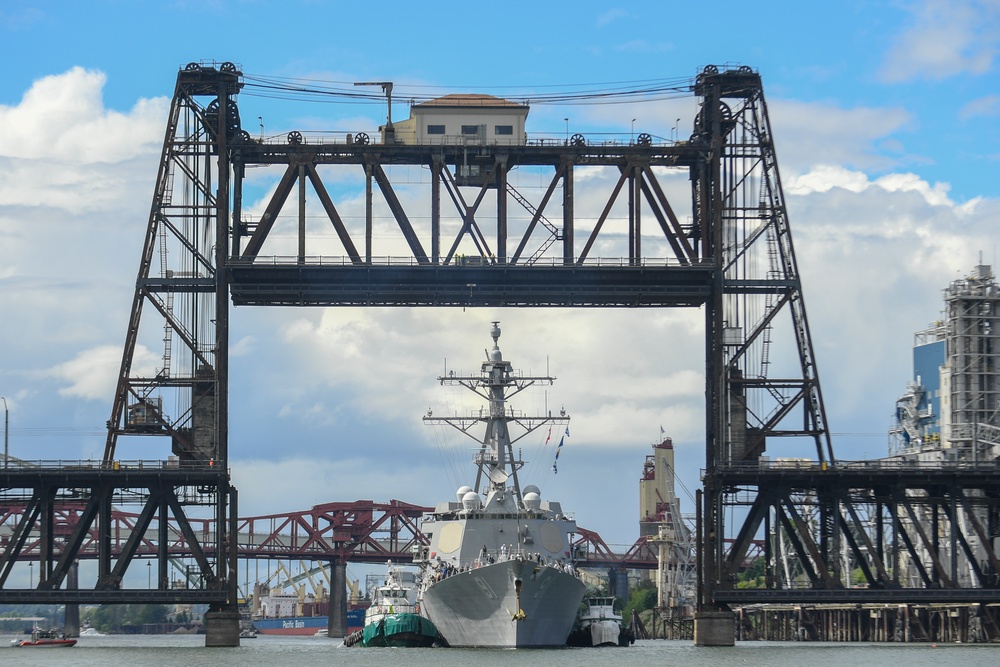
{"x": 870, "y": 623}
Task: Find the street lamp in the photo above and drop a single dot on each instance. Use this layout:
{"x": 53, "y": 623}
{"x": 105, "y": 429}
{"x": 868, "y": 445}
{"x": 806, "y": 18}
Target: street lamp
{"x": 31, "y": 574}
{"x": 567, "y": 130}
{"x": 632, "y": 140}
{"x": 149, "y": 574}
{"x": 6, "y": 424}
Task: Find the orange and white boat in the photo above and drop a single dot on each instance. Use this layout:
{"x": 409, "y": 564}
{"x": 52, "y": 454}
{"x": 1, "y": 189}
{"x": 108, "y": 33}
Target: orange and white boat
{"x": 45, "y": 639}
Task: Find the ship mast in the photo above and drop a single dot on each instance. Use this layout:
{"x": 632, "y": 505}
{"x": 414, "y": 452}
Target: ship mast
{"x": 497, "y": 383}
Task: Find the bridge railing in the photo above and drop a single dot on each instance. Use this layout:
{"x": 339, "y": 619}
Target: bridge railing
{"x": 468, "y": 261}
{"x": 21, "y": 465}
{"x": 876, "y": 465}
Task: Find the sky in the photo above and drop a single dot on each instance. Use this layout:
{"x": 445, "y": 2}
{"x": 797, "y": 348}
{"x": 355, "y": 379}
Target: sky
{"x": 885, "y": 118}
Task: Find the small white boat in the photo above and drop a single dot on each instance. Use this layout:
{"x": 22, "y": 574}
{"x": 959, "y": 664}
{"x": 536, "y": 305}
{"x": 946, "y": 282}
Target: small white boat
{"x": 600, "y": 625}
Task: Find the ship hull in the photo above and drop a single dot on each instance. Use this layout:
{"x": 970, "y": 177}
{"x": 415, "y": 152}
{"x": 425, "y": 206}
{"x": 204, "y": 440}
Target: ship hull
{"x": 600, "y": 633}
{"x": 47, "y": 643}
{"x": 306, "y": 625}
{"x": 302, "y": 625}
{"x": 400, "y": 630}
{"x": 475, "y": 608}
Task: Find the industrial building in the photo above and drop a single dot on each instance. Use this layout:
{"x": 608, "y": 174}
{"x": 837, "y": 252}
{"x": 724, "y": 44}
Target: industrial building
{"x": 460, "y": 120}
{"x": 660, "y": 521}
{"x": 949, "y": 416}
{"x": 945, "y": 424}
{"x": 951, "y": 409}
{"x": 657, "y": 500}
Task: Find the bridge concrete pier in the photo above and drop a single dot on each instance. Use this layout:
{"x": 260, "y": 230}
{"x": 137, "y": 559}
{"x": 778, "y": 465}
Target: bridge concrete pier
{"x": 337, "y": 624}
{"x": 222, "y": 627}
{"x": 71, "y": 624}
{"x": 714, "y": 628}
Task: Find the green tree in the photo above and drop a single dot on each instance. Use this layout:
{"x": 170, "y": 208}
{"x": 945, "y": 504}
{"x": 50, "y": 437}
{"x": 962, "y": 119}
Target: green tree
{"x": 753, "y": 575}
{"x": 643, "y": 597}
{"x": 113, "y": 617}
{"x": 150, "y": 613}
{"x": 108, "y": 617}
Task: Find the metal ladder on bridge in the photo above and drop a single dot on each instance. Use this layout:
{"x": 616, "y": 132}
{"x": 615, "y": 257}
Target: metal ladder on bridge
{"x": 554, "y": 233}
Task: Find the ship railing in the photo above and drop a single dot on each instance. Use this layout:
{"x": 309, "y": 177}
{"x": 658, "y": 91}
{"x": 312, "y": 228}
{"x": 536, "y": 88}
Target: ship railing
{"x": 514, "y": 516}
{"x": 503, "y": 555}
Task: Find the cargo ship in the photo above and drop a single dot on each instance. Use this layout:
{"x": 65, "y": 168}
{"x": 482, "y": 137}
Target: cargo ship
{"x": 306, "y": 625}
{"x": 498, "y": 570}
{"x": 279, "y": 613}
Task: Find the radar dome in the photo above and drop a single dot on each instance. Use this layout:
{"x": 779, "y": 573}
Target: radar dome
{"x": 531, "y": 488}
{"x": 532, "y": 501}
{"x": 462, "y": 490}
{"x": 471, "y": 501}
{"x": 495, "y": 355}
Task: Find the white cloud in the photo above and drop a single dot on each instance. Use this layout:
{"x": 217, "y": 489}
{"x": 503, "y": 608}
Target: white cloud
{"x": 290, "y": 484}
{"x": 243, "y": 347}
{"x": 983, "y": 106}
{"x": 611, "y": 16}
{"x": 944, "y": 39}
{"x": 874, "y": 258}
{"x": 62, "y": 118}
{"x": 75, "y": 180}
{"x": 935, "y": 195}
{"x": 823, "y": 178}
{"x": 61, "y": 184}
{"x": 807, "y": 134}
{"x": 389, "y": 358}
{"x": 93, "y": 374}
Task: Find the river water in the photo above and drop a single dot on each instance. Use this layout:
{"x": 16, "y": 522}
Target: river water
{"x": 272, "y": 651}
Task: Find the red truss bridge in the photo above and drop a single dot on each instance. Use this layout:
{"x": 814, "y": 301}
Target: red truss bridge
{"x": 360, "y": 531}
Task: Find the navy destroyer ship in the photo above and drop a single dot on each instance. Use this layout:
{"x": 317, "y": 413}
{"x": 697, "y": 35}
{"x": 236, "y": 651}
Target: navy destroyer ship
{"x": 498, "y": 570}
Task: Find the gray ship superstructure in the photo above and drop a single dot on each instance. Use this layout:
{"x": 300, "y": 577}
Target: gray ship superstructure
{"x": 498, "y": 571}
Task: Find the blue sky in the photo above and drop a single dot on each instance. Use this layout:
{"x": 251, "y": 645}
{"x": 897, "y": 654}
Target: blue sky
{"x": 930, "y": 62}
{"x": 885, "y": 116}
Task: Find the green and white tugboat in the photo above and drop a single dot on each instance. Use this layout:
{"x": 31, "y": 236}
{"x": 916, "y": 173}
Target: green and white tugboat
{"x": 394, "y": 619}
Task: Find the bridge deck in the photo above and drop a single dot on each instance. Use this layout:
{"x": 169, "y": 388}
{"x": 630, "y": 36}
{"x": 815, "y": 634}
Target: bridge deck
{"x": 497, "y": 285}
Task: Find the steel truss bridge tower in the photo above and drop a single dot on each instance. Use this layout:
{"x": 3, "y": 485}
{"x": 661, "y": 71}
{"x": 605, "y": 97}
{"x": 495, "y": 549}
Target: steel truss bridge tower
{"x": 474, "y": 239}
{"x": 481, "y": 243}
